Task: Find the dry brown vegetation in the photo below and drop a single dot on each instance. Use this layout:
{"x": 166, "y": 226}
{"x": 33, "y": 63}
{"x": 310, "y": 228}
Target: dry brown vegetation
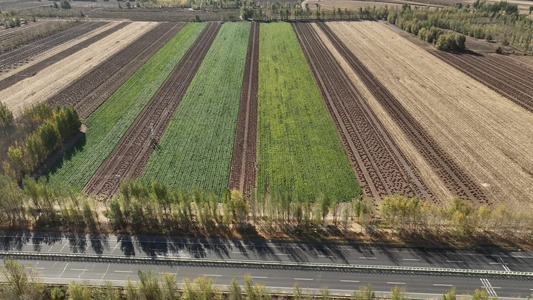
{"x": 52, "y": 79}
{"x": 486, "y": 134}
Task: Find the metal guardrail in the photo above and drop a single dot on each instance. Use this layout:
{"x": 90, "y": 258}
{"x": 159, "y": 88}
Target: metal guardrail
{"x": 267, "y": 264}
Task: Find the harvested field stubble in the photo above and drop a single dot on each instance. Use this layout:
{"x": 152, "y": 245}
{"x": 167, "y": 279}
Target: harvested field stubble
{"x": 298, "y": 147}
{"x": 243, "y": 163}
{"x": 47, "y": 82}
{"x": 35, "y": 68}
{"x": 196, "y": 148}
{"x": 487, "y": 135}
{"x": 135, "y": 148}
{"x": 107, "y": 124}
{"x": 93, "y": 88}
{"x": 499, "y": 73}
{"x": 379, "y": 164}
{"x": 25, "y": 52}
{"x": 452, "y": 175}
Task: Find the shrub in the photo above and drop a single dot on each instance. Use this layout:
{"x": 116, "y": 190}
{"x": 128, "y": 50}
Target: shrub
{"x": 6, "y": 117}
{"x": 450, "y": 41}
{"x": 65, "y": 4}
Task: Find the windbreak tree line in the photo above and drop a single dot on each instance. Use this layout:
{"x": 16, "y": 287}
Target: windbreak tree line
{"x": 49, "y": 129}
{"x": 24, "y": 283}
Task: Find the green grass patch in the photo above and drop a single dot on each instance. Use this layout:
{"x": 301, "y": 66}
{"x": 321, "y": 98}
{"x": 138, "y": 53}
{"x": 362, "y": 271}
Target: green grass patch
{"x": 299, "y": 151}
{"x": 113, "y": 118}
{"x": 196, "y": 148}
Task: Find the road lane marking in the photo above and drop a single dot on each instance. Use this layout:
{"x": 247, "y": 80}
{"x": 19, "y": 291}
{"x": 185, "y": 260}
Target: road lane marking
{"x": 281, "y": 254}
{"x": 454, "y": 261}
{"x": 504, "y": 265}
{"x": 63, "y": 270}
{"x": 237, "y": 252}
{"x": 488, "y": 287}
{"x": 325, "y": 256}
{"x": 392, "y": 282}
{"x": 212, "y": 275}
{"x": 83, "y": 270}
{"x": 118, "y": 271}
{"x": 411, "y": 259}
{"x": 258, "y": 277}
{"x": 365, "y": 257}
{"x": 442, "y": 284}
{"x": 352, "y": 281}
{"x": 304, "y": 279}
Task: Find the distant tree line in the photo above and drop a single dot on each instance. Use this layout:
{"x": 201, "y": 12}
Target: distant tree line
{"x": 49, "y": 128}
{"x": 24, "y": 283}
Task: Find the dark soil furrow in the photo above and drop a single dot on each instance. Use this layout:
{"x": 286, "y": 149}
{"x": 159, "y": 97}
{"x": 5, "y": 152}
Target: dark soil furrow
{"x": 454, "y": 177}
{"x": 93, "y": 88}
{"x": 243, "y": 162}
{"x": 31, "y": 71}
{"x": 380, "y": 166}
{"x": 134, "y": 149}
{"x": 25, "y": 52}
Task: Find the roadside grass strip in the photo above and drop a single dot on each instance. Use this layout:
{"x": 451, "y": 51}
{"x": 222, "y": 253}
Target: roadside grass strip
{"x": 298, "y": 147}
{"x": 196, "y": 149}
{"x": 113, "y": 118}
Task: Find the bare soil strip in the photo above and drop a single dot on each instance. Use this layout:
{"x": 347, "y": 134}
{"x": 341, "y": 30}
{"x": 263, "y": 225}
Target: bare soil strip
{"x": 487, "y": 135}
{"x": 378, "y": 163}
{"x": 93, "y": 88}
{"x": 47, "y": 82}
{"x": 500, "y": 74}
{"x": 131, "y": 155}
{"x": 243, "y": 162}
{"x": 34, "y": 69}
{"x": 23, "y": 53}
{"x": 455, "y": 179}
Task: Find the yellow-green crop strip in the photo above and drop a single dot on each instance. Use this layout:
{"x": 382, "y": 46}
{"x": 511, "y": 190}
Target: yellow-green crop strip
{"x": 299, "y": 151}
{"x": 196, "y": 149}
{"x": 113, "y": 118}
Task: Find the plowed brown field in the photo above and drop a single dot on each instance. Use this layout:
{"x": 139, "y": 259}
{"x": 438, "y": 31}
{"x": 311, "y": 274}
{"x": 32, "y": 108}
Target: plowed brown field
{"x": 378, "y": 162}
{"x": 483, "y": 134}
{"x": 243, "y": 162}
{"x": 93, "y": 88}
{"x": 499, "y": 73}
{"x": 35, "y": 68}
{"x": 47, "y": 82}
{"x": 131, "y": 155}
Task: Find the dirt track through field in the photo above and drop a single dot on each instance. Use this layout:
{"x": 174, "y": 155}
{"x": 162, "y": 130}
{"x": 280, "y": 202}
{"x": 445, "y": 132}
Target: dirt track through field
{"x": 499, "y": 73}
{"x": 380, "y": 166}
{"x": 132, "y": 153}
{"x": 47, "y": 82}
{"x": 243, "y": 162}
{"x": 25, "y": 52}
{"x": 93, "y": 88}
{"x": 455, "y": 179}
{"x": 34, "y": 69}
{"x": 487, "y": 135}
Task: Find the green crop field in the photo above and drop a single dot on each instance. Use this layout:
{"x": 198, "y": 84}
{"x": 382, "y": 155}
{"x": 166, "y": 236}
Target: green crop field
{"x": 298, "y": 147}
{"x": 196, "y": 148}
{"x": 113, "y": 118}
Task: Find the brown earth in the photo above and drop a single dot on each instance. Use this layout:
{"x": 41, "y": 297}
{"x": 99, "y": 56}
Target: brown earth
{"x": 35, "y": 68}
{"x": 93, "y": 88}
{"x": 454, "y": 177}
{"x": 499, "y": 73}
{"x": 47, "y": 82}
{"x": 134, "y": 149}
{"x": 487, "y": 135}
{"x": 23, "y": 53}
{"x": 379, "y": 164}
{"x": 243, "y": 162}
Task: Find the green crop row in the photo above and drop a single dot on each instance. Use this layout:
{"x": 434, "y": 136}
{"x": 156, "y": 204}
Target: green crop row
{"x": 298, "y": 147}
{"x": 196, "y": 148}
{"x": 112, "y": 119}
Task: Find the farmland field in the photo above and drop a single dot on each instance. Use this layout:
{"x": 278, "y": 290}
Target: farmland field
{"x": 196, "y": 148}
{"x": 113, "y": 118}
{"x": 487, "y": 136}
{"x": 298, "y": 147}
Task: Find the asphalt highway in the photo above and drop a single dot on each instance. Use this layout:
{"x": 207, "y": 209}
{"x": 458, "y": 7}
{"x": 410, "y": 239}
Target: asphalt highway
{"x": 277, "y": 279}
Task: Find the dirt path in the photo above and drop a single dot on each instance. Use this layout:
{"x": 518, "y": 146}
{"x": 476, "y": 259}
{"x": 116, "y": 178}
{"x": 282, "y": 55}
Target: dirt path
{"x": 487, "y": 135}
{"x": 93, "y": 88}
{"x": 380, "y": 166}
{"x": 35, "y": 68}
{"x": 25, "y": 52}
{"x": 243, "y": 162}
{"x": 47, "y": 82}
{"x": 455, "y": 179}
{"x": 132, "y": 153}
{"x": 499, "y": 73}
